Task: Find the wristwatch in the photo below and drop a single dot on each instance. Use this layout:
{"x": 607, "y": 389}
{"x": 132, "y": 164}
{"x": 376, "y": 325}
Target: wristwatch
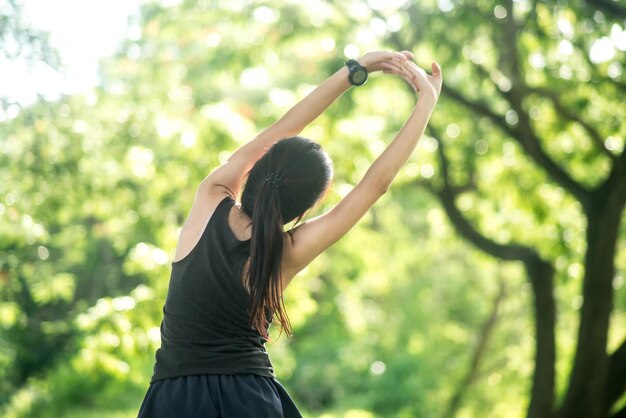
{"x": 358, "y": 73}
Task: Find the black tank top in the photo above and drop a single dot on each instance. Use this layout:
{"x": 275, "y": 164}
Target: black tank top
{"x": 206, "y": 326}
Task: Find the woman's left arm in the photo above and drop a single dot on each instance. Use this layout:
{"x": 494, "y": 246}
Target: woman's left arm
{"x": 230, "y": 176}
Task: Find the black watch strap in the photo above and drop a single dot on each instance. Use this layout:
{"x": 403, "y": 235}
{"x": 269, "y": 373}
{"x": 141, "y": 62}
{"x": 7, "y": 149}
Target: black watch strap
{"x": 358, "y": 73}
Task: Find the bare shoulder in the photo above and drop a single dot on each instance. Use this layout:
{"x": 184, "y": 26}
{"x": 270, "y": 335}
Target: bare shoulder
{"x": 205, "y": 202}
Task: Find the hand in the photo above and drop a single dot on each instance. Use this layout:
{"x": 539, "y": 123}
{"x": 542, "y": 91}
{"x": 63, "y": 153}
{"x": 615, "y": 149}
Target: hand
{"x": 389, "y": 63}
{"x": 418, "y": 78}
{"x": 373, "y": 60}
{"x": 427, "y": 84}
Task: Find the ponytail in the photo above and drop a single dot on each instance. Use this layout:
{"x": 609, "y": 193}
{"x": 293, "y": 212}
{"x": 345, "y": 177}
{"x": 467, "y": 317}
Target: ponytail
{"x": 266, "y": 252}
{"x": 272, "y": 200}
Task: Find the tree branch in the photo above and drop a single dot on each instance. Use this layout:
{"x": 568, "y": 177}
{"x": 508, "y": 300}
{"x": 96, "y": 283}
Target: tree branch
{"x": 611, "y": 8}
{"x": 479, "y": 107}
{"x": 447, "y": 196}
{"x": 526, "y": 135}
{"x": 561, "y": 109}
{"x": 567, "y": 114}
{"x": 527, "y": 138}
{"x": 478, "y": 354}
{"x": 540, "y": 274}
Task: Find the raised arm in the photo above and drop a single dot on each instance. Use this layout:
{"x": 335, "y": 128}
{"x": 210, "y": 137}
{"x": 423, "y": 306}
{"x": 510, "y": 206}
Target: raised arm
{"x": 228, "y": 178}
{"x": 231, "y": 174}
{"x": 316, "y": 235}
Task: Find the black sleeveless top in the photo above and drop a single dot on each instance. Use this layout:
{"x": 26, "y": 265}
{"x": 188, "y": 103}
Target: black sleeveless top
{"x": 206, "y": 326}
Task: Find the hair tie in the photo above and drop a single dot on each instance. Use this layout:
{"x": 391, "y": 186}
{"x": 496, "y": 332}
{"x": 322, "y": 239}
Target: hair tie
{"x": 274, "y": 180}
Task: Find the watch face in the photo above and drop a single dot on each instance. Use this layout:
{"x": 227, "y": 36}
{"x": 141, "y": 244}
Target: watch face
{"x": 359, "y": 77}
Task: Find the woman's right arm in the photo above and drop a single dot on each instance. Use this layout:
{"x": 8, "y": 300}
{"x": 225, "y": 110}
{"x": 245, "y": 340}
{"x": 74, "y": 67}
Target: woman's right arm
{"x": 311, "y": 238}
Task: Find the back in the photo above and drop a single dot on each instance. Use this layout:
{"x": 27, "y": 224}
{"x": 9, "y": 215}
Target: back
{"x": 206, "y": 325}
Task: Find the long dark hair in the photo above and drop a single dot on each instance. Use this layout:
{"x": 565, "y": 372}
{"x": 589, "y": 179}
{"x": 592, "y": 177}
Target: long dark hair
{"x": 281, "y": 187}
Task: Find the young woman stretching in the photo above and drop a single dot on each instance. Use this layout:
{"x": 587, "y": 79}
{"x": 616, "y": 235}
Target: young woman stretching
{"x": 233, "y": 261}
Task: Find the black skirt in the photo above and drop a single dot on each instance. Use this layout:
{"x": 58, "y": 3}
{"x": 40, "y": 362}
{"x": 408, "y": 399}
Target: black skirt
{"x": 218, "y": 396}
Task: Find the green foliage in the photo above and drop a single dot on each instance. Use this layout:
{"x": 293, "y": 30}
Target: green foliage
{"x": 94, "y": 187}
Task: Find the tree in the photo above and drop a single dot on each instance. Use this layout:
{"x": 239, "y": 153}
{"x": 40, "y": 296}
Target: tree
{"x": 524, "y": 154}
{"x": 539, "y": 81}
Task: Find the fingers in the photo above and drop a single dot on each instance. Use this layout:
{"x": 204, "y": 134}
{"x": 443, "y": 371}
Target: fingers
{"x": 421, "y": 79}
{"x": 372, "y": 60}
{"x": 401, "y": 63}
{"x": 408, "y": 54}
{"x": 393, "y": 68}
{"x": 410, "y": 81}
{"x": 437, "y": 78}
{"x": 436, "y": 68}
{"x": 398, "y": 57}
{"x": 415, "y": 71}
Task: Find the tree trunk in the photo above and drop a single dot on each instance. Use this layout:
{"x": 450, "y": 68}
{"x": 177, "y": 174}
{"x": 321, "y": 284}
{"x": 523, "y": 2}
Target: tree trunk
{"x": 586, "y": 395}
{"x": 620, "y": 414}
{"x": 540, "y": 274}
{"x": 616, "y": 383}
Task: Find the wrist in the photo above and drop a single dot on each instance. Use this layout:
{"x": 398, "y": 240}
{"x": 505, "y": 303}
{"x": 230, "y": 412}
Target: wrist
{"x": 426, "y": 100}
{"x": 357, "y": 72}
{"x": 365, "y": 62}
{"x": 428, "y": 93}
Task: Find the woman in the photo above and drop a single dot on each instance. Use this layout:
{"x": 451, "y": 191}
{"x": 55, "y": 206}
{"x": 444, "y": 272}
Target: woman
{"x": 233, "y": 261}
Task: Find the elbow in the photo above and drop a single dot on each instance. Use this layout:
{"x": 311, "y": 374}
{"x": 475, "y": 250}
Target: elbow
{"x": 381, "y": 186}
{"x": 384, "y": 187}
{"x": 376, "y": 184}
{"x": 379, "y": 178}
{"x": 383, "y": 183}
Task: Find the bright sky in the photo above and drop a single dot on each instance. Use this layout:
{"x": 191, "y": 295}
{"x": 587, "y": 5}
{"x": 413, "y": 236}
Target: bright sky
{"x": 83, "y": 31}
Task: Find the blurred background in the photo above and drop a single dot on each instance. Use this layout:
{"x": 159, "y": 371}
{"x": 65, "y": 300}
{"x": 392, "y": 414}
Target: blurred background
{"x": 488, "y": 282}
